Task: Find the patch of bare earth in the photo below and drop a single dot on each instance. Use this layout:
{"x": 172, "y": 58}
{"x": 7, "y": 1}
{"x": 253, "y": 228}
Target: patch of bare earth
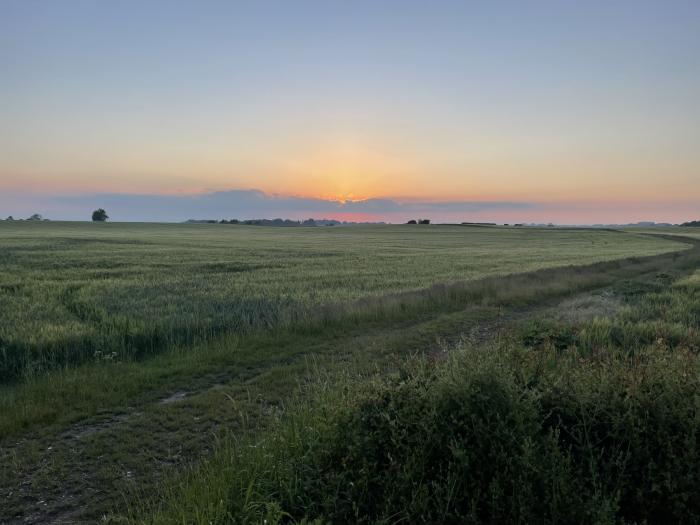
{"x": 70, "y": 477}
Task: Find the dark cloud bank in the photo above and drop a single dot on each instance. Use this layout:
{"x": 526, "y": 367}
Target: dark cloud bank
{"x": 254, "y": 204}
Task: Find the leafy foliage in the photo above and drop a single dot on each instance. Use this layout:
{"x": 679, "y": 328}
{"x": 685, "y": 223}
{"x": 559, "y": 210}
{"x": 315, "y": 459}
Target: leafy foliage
{"x": 99, "y": 215}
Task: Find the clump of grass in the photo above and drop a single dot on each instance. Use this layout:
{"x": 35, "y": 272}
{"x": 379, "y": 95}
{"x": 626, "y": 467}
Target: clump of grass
{"x": 538, "y": 333}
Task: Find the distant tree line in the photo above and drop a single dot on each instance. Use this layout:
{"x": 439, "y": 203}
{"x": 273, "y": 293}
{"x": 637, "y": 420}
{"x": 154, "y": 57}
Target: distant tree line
{"x": 278, "y": 222}
{"x": 694, "y": 224}
{"x": 281, "y": 222}
{"x": 419, "y": 221}
{"x": 34, "y": 217}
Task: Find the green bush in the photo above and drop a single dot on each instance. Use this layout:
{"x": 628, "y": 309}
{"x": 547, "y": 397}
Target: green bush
{"x": 490, "y": 438}
{"x": 490, "y": 435}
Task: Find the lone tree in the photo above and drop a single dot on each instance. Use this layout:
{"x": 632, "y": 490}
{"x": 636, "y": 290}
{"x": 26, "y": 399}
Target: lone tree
{"x": 99, "y": 215}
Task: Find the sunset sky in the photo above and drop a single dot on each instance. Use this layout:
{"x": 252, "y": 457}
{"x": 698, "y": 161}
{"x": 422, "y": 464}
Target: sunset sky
{"x": 566, "y": 111}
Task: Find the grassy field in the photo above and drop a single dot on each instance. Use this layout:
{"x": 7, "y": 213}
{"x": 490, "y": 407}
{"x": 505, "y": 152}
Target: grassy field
{"x": 130, "y": 350}
{"x": 683, "y": 231}
{"x": 76, "y": 292}
{"x": 566, "y": 421}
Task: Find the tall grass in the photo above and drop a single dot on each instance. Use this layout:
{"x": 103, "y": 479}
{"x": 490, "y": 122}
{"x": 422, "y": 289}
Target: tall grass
{"x": 597, "y": 430}
{"x": 71, "y": 293}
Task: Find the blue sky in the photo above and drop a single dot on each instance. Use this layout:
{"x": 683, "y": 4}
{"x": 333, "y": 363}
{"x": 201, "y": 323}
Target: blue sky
{"x": 586, "y": 106}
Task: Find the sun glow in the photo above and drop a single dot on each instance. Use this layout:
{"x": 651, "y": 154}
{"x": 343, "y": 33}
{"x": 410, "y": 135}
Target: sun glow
{"x": 343, "y": 171}
{"x": 342, "y": 197}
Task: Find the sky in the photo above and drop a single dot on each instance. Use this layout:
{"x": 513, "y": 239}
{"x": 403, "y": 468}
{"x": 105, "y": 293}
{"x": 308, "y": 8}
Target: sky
{"x": 568, "y": 112}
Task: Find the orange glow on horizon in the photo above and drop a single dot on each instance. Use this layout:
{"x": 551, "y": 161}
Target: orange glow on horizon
{"x": 342, "y": 169}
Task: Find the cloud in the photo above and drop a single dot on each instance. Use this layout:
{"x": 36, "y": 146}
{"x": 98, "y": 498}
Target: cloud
{"x": 255, "y": 204}
{"x": 252, "y": 204}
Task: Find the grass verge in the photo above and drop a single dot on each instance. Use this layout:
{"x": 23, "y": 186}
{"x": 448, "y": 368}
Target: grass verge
{"x": 594, "y": 421}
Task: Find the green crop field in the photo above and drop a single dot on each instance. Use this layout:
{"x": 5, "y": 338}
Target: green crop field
{"x": 130, "y": 353}
{"x": 68, "y": 291}
{"x": 683, "y": 231}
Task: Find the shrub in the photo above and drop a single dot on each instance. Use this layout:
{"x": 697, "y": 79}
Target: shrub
{"x": 99, "y": 215}
{"x": 489, "y": 435}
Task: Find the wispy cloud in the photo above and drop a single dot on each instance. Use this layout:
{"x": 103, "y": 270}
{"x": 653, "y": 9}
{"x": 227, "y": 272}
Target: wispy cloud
{"x": 255, "y": 204}
{"x": 247, "y": 204}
